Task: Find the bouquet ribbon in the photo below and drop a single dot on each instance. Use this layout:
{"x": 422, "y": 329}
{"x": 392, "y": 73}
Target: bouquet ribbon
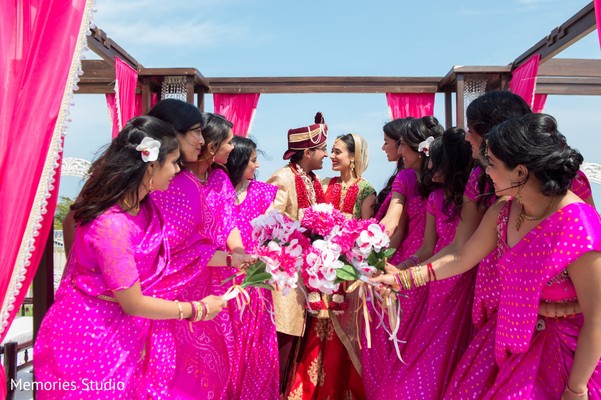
{"x": 240, "y": 294}
{"x": 360, "y": 284}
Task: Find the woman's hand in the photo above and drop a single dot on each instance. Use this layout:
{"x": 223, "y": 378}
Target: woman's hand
{"x": 242, "y": 261}
{"x": 214, "y": 305}
{"x": 388, "y": 283}
{"x": 391, "y": 269}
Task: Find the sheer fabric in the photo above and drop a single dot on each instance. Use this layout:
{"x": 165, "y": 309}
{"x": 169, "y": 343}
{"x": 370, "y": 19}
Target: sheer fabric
{"x": 31, "y": 127}
{"x": 403, "y": 105}
{"x": 239, "y": 109}
{"x": 124, "y": 104}
{"x": 523, "y": 81}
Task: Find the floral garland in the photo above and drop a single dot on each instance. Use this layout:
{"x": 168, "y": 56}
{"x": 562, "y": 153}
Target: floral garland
{"x": 334, "y": 196}
{"x": 302, "y": 191}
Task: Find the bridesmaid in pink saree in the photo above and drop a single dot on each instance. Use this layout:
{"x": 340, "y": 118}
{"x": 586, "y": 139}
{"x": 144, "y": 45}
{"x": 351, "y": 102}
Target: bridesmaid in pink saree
{"x": 94, "y": 339}
{"x": 194, "y": 360}
{"x": 406, "y": 216}
{"x": 441, "y": 336}
{"x": 257, "y": 370}
{"x": 544, "y": 342}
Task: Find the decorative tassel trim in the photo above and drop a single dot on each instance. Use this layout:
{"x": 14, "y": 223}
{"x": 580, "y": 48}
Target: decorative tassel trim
{"x": 47, "y": 180}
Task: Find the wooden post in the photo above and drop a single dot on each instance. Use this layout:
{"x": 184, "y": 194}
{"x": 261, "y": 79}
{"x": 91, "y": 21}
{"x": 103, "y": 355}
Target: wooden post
{"x": 448, "y": 109}
{"x": 190, "y": 89}
{"x": 460, "y": 99}
{"x": 200, "y": 99}
{"x": 43, "y": 285}
{"x": 146, "y": 94}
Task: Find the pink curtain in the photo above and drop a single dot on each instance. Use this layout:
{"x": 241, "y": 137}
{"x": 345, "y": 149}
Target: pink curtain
{"x": 403, "y": 105}
{"x": 539, "y": 103}
{"x": 124, "y": 104}
{"x": 239, "y": 109}
{"x": 40, "y": 43}
{"x": 598, "y": 18}
{"x": 523, "y": 80}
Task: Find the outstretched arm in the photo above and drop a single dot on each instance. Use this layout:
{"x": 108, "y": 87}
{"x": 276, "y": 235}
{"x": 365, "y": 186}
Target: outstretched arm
{"x": 585, "y": 273}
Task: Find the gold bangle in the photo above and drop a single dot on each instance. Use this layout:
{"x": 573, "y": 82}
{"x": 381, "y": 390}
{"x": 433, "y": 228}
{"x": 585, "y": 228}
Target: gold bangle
{"x": 181, "y": 311}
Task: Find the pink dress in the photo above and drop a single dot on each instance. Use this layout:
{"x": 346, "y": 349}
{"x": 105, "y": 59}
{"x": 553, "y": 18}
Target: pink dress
{"x": 486, "y": 295}
{"x": 518, "y": 353}
{"x": 205, "y": 351}
{"x": 87, "y": 347}
{"x": 414, "y": 307}
{"x": 256, "y": 372}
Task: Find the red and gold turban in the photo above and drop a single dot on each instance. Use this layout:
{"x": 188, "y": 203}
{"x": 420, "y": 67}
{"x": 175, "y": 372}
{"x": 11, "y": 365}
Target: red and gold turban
{"x": 307, "y": 137}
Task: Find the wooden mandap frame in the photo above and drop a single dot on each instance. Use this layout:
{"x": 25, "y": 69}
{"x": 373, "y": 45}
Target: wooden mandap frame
{"x": 555, "y": 77}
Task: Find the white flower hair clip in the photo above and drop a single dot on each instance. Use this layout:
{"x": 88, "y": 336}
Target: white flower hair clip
{"x": 149, "y": 148}
{"x": 424, "y": 146}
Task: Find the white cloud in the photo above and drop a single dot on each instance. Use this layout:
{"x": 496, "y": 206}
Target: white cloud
{"x": 192, "y": 34}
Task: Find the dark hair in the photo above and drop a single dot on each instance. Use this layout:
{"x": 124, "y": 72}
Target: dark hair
{"x": 415, "y": 132}
{"x": 180, "y": 114}
{"x": 534, "y": 141}
{"x": 348, "y": 141}
{"x": 451, "y": 158}
{"x": 119, "y": 171}
{"x": 215, "y": 130}
{"x": 483, "y": 114}
{"x": 392, "y": 129}
{"x": 239, "y": 158}
{"x": 297, "y": 156}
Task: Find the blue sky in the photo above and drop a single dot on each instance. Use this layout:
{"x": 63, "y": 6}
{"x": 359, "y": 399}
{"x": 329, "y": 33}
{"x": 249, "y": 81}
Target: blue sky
{"x": 333, "y": 38}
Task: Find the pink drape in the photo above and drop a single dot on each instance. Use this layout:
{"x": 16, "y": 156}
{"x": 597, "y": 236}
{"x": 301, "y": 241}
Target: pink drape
{"x": 403, "y": 105}
{"x": 523, "y": 80}
{"x": 124, "y": 104}
{"x": 539, "y": 103}
{"x": 40, "y": 43}
{"x": 239, "y": 109}
{"x": 598, "y": 18}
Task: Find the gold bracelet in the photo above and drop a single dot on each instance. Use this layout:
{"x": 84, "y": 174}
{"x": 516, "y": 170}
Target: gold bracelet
{"x": 181, "y": 312}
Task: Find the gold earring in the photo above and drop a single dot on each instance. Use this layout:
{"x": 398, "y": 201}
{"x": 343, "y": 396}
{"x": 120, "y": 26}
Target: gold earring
{"x": 352, "y": 165}
{"x": 518, "y": 196}
{"x": 150, "y": 186}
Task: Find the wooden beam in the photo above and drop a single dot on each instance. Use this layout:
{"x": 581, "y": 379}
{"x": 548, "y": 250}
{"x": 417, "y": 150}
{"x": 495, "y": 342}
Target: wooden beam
{"x": 574, "y": 29}
{"x": 104, "y": 46}
{"x": 570, "y": 67}
{"x": 323, "y": 84}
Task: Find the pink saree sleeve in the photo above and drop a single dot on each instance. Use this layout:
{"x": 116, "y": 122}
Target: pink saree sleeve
{"x": 540, "y": 256}
{"x": 110, "y": 239}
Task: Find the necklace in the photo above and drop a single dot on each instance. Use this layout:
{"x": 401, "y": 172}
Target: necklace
{"x": 135, "y": 209}
{"x": 240, "y": 190}
{"x": 206, "y": 176}
{"x": 523, "y": 216}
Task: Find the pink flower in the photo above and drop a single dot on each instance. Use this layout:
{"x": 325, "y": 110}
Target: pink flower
{"x": 321, "y": 218}
{"x": 321, "y": 263}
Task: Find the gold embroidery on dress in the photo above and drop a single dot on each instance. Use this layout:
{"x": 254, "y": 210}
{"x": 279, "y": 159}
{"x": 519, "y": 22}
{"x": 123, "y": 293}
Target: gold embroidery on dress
{"x": 297, "y": 394}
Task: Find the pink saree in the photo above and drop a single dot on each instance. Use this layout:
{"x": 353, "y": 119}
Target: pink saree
{"x": 414, "y": 307}
{"x": 87, "y": 347}
{"x": 256, "y": 371}
{"x": 518, "y": 353}
{"x": 199, "y": 224}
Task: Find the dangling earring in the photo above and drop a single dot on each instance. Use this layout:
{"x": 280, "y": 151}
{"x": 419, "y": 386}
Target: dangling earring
{"x": 150, "y": 186}
{"x": 518, "y": 196}
{"x": 353, "y": 166}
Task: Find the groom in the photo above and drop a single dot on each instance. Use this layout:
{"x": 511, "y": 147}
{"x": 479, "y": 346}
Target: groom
{"x": 298, "y": 188}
